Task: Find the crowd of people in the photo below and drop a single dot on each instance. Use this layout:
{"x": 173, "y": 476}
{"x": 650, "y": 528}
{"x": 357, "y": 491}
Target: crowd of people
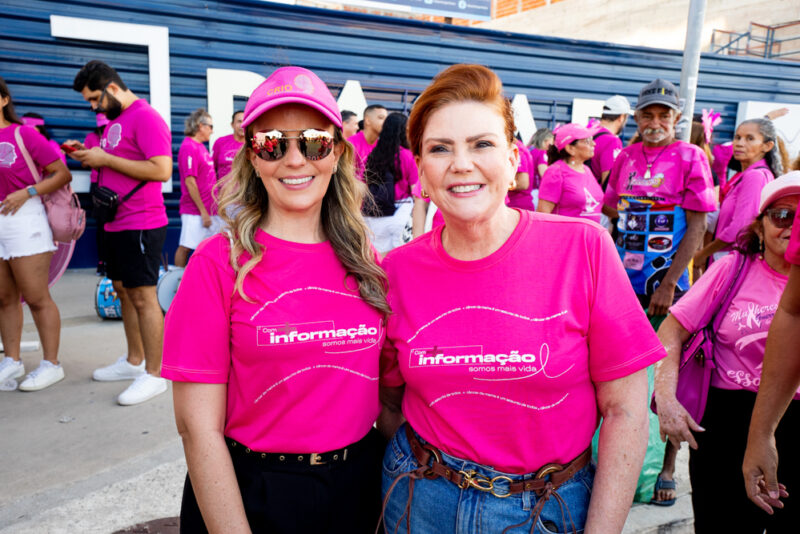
{"x": 422, "y": 320}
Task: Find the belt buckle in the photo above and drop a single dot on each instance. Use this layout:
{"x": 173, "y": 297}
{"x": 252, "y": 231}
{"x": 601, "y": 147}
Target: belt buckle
{"x": 547, "y": 470}
{"x": 316, "y": 459}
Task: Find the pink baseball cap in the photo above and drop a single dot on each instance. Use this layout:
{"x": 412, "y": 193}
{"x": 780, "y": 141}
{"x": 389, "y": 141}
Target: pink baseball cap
{"x": 783, "y": 186}
{"x": 567, "y": 133}
{"x": 289, "y": 85}
{"x": 102, "y": 120}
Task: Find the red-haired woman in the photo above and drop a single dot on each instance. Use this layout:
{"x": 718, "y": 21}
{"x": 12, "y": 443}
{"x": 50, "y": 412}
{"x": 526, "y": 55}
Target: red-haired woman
{"x": 500, "y": 375}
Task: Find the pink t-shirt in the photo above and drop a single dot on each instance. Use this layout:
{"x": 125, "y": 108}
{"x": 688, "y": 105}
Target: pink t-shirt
{"x": 409, "y": 181}
{"x": 507, "y": 378}
{"x": 92, "y": 140}
{"x": 575, "y": 194}
{"x": 793, "y": 250}
{"x": 194, "y": 160}
{"x": 679, "y": 176}
{"x": 362, "y": 151}
{"x": 225, "y": 149}
{"x": 742, "y": 335}
{"x": 139, "y": 133}
{"x": 606, "y": 149}
{"x": 539, "y": 158}
{"x": 722, "y": 155}
{"x": 741, "y": 203}
{"x": 57, "y": 148}
{"x": 300, "y": 361}
{"x": 14, "y": 173}
{"x": 524, "y": 199}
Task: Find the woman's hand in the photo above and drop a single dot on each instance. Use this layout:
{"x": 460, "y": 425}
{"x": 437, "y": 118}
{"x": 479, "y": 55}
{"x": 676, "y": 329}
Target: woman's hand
{"x": 14, "y": 202}
{"x": 675, "y": 422}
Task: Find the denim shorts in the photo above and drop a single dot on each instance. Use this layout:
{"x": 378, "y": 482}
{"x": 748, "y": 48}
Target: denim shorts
{"x": 439, "y": 506}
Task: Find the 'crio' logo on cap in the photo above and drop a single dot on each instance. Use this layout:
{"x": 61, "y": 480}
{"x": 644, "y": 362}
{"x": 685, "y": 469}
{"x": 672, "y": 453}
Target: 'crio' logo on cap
{"x": 303, "y": 83}
{"x": 280, "y": 89}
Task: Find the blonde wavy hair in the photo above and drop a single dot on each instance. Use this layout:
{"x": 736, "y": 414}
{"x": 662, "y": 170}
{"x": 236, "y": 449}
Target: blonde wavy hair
{"x": 243, "y": 194}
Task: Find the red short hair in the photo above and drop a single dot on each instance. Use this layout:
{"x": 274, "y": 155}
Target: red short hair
{"x": 459, "y": 83}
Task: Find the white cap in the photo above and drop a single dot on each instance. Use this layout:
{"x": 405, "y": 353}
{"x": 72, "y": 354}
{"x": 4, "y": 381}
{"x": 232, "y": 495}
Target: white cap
{"x": 783, "y": 186}
{"x": 617, "y": 105}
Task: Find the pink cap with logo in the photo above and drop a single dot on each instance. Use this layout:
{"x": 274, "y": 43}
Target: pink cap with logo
{"x": 289, "y": 85}
{"x": 102, "y": 120}
{"x": 567, "y": 133}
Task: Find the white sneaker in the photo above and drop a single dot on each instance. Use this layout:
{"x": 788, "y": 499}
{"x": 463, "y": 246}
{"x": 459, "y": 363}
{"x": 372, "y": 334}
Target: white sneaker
{"x": 119, "y": 370}
{"x": 144, "y": 388}
{"x": 10, "y": 368}
{"x": 43, "y": 376}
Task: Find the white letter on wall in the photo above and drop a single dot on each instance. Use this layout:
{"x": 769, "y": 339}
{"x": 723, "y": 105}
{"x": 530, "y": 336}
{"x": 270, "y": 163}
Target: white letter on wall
{"x": 222, "y": 86}
{"x": 352, "y": 98}
{"x": 523, "y": 117}
{"x": 155, "y": 38}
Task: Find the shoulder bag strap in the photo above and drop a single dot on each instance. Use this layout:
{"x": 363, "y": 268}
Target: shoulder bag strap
{"x": 26, "y": 156}
{"x": 132, "y": 191}
{"x": 734, "y": 284}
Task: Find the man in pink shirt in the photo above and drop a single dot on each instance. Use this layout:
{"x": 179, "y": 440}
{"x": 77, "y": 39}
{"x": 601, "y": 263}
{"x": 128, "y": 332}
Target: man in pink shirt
{"x": 660, "y": 191}
{"x": 780, "y": 379}
{"x": 365, "y": 140}
{"x": 607, "y": 144}
{"x": 226, "y": 148}
{"x": 134, "y": 157}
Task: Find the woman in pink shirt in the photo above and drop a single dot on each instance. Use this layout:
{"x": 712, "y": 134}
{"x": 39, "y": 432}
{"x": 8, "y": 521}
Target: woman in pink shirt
{"x": 26, "y": 245}
{"x": 568, "y": 186}
{"x": 273, "y": 338}
{"x": 718, "y": 441}
{"x": 501, "y": 386}
{"x": 758, "y": 162}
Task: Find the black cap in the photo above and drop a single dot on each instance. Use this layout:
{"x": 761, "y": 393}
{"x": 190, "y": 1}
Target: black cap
{"x": 658, "y": 92}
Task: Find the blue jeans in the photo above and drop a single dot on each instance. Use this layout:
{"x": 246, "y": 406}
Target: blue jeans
{"x": 439, "y": 506}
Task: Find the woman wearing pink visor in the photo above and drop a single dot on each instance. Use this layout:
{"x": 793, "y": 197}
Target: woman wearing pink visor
{"x": 273, "y": 338}
{"x": 568, "y": 186}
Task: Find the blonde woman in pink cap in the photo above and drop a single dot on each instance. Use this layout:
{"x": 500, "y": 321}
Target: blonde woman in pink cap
{"x": 273, "y": 338}
{"x": 568, "y": 186}
{"x": 737, "y": 299}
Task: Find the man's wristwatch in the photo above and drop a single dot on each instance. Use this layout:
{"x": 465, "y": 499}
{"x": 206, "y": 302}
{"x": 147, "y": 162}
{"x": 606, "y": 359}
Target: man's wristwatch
{"x": 32, "y": 191}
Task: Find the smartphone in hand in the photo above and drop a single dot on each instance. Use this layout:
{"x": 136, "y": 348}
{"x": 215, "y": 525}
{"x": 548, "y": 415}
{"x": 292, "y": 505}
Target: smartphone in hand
{"x": 69, "y": 148}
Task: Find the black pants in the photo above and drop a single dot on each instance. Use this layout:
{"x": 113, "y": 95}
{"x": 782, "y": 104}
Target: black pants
{"x": 719, "y": 499}
{"x": 332, "y": 498}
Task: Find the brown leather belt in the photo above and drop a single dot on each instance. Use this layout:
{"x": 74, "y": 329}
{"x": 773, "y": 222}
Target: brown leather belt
{"x": 428, "y": 455}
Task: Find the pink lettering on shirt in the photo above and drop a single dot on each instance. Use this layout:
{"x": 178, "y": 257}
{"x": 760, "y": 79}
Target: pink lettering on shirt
{"x": 575, "y": 194}
{"x": 475, "y": 356}
{"x": 300, "y": 360}
{"x": 742, "y": 336}
{"x": 14, "y": 172}
{"x": 194, "y": 160}
{"x": 138, "y": 134}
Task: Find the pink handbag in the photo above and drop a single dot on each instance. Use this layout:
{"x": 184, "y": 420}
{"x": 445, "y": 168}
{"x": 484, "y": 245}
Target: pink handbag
{"x": 67, "y": 219}
{"x": 697, "y": 355}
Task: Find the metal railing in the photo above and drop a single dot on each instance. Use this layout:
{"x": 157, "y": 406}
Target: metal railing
{"x": 778, "y": 41}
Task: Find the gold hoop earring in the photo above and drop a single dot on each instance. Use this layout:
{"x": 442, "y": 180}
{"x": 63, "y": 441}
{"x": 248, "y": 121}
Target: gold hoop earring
{"x": 425, "y": 195}
{"x": 513, "y": 185}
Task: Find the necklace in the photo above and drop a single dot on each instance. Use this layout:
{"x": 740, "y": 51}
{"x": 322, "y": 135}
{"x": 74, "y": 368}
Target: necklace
{"x": 647, "y": 174}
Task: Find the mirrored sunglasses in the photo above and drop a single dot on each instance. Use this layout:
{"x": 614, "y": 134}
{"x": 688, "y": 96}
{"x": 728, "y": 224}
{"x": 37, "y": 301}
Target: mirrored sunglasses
{"x": 781, "y": 217}
{"x": 272, "y": 145}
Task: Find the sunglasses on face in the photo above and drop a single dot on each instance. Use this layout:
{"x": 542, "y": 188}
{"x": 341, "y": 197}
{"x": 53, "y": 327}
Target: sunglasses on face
{"x": 272, "y": 145}
{"x": 207, "y": 124}
{"x": 781, "y": 217}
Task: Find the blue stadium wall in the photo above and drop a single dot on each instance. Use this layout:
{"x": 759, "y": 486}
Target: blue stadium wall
{"x": 393, "y": 59}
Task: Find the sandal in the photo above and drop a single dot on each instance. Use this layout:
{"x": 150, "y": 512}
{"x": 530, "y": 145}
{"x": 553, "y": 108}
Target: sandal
{"x": 662, "y": 484}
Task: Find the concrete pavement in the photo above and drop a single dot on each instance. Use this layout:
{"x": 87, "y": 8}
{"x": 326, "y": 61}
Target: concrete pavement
{"x": 72, "y": 460}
